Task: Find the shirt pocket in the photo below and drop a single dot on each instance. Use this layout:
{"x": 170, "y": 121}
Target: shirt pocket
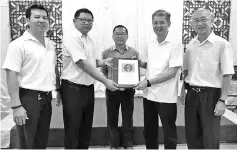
{"x": 209, "y": 61}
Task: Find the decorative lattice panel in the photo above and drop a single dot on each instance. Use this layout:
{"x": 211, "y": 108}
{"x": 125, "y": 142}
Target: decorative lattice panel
{"x": 221, "y": 10}
{"x": 18, "y": 21}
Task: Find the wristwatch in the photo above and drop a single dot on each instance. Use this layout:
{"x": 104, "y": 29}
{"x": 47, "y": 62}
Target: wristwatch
{"x": 148, "y": 83}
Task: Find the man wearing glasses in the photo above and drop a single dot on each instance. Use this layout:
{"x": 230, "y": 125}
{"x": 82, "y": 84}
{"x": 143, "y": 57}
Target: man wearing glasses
{"x": 78, "y": 76}
{"x": 207, "y": 69}
{"x": 125, "y": 97}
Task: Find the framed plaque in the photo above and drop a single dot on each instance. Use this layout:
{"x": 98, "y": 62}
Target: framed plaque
{"x": 125, "y": 72}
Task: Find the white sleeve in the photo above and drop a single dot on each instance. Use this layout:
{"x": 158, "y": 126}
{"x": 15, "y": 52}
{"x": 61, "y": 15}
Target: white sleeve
{"x": 75, "y": 48}
{"x": 14, "y": 57}
{"x": 176, "y": 57}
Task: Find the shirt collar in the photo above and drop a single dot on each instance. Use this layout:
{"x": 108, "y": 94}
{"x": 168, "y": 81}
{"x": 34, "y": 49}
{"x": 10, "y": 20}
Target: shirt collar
{"x": 210, "y": 38}
{"x": 167, "y": 39}
{"x": 79, "y": 34}
{"x": 27, "y": 36}
{"x": 126, "y": 47}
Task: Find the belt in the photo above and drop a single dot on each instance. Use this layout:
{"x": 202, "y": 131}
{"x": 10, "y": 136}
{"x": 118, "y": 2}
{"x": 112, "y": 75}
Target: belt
{"x": 35, "y": 91}
{"x": 198, "y": 89}
{"x": 44, "y": 93}
{"x": 78, "y": 85}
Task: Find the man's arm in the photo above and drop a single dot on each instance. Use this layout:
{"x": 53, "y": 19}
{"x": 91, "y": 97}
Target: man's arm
{"x": 142, "y": 64}
{"x": 13, "y": 87}
{"x": 169, "y": 74}
{"x": 57, "y": 77}
{"x": 104, "y": 69}
{"x": 99, "y": 63}
{"x": 225, "y": 86}
{"x": 92, "y": 71}
{"x": 19, "y": 113}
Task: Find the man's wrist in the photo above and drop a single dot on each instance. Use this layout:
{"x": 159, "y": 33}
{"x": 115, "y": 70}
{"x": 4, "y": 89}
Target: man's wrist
{"x": 148, "y": 83}
{"x": 58, "y": 89}
{"x": 15, "y": 107}
{"x": 221, "y": 100}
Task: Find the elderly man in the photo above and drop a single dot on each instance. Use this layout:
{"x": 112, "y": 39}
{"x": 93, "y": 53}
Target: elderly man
{"x": 208, "y": 68}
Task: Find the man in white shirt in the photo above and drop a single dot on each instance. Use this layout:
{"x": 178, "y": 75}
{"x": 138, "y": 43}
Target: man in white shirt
{"x": 78, "y": 76}
{"x": 31, "y": 76}
{"x": 207, "y": 69}
{"x": 164, "y": 59}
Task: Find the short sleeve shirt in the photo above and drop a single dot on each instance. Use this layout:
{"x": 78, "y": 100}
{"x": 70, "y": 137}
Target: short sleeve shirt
{"x": 34, "y": 62}
{"x": 161, "y": 57}
{"x": 112, "y": 52}
{"x": 77, "y": 46}
{"x": 208, "y": 61}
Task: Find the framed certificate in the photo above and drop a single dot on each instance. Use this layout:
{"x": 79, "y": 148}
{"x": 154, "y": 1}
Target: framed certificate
{"x": 125, "y": 72}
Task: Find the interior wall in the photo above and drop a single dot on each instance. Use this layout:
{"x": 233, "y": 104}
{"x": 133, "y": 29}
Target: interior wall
{"x": 233, "y": 28}
{"x": 5, "y": 39}
{"x": 134, "y": 14}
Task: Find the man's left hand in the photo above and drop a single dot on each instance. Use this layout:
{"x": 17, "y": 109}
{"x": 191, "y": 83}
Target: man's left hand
{"x": 141, "y": 85}
{"x": 58, "y": 99}
{"x": 108, "y": 62}
{"x": 220, "y": 108}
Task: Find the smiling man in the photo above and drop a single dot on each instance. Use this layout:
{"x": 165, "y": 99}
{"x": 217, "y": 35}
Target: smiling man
{"x": 208, "y": 68}
{"x": 164, "y": 59}
{"x": 31, "y": 76}
{"x": 123, "y": 97}
{"x": 78, "y": 77}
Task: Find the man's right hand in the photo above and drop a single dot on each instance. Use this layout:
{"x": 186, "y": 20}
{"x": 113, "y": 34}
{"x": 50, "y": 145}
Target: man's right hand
{"x": 20, "y": 116}
{"x": 111, "y": 85}
{"x": 182, "y": 97}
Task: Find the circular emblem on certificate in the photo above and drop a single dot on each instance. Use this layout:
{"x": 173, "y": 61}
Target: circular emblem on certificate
{"x": 128, "y": 68}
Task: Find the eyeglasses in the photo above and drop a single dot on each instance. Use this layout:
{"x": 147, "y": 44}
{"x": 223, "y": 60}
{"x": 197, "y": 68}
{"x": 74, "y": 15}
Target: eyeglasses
{"x": 202, "y": 20}
{"x": 120, "y": 34}
{"x": 84, "y": 20}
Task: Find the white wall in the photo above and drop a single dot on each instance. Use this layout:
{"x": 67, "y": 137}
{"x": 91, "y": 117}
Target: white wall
{"x": 134, "y": 14}
{"x": 5, "y": 39}
{"x": 109, "y": 13}
{"x": 233, "y": 28}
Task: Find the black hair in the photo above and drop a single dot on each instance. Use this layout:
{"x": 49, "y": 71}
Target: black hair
{"x": 120, "y": 26}
{"x": 162, "y": 12}
{"x": 35, "y": 6}
{"x": 83, "y": 10}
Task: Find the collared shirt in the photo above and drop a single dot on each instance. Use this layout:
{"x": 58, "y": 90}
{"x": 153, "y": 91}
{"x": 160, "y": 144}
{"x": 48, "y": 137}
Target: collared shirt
{"x": 34, "y": 62}
{"x": 161, "y": 57}
{"x": 112, "y": 52}
{"x": 208, "y": 61}
{"x": 77, "y": 46}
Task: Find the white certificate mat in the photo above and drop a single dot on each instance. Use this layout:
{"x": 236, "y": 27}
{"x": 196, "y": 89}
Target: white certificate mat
{"x": 128, "y": 72}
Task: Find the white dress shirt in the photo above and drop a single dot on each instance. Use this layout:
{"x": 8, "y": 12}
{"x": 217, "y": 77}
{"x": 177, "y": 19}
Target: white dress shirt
{"x": 161, "y": 57}
{"x": 77, "y": 46}
{"x": 34, "y": 62}
{"x": 208, "y": 61}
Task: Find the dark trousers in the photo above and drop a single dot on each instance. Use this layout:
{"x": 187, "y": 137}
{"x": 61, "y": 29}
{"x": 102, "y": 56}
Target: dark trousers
{"x": 78, "y": 111}
{"x": 34, "y": 134}
{"x": 201, "y": 126}
{"x": 168, "y": 115}
{"x": 113, "y": 101}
